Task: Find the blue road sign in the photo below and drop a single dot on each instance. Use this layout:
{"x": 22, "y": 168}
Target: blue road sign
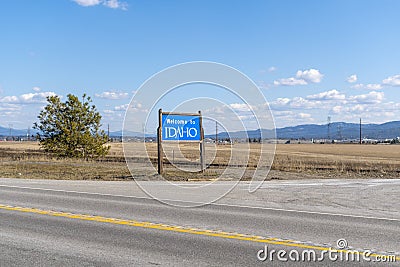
{"x": 180, "y": 127}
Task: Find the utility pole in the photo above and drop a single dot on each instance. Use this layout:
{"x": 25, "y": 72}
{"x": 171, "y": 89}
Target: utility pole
{"x": 108, "y": 132}
{"x": 329, "y": 128}
{"x": 216, "y": 133}
{"x": 10, "y": 126}
{"x": 360, "y": 133}
{"x": 340, "y": 132}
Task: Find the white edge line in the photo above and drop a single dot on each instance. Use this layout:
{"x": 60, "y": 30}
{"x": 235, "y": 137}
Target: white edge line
{"x": 214, "y": 204}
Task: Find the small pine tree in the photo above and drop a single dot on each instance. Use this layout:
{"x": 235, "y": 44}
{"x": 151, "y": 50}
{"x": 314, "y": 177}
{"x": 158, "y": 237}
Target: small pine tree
{"x": 71, "y": 128}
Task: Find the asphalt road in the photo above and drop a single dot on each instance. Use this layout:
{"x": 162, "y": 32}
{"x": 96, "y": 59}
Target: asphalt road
{"x": 67, "y": 223}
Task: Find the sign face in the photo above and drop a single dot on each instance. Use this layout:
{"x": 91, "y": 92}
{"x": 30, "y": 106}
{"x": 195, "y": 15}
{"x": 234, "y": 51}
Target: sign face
{"x": 180, "y": 128}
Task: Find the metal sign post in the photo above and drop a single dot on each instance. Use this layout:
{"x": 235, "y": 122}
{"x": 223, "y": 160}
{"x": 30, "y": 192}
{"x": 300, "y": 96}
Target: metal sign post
{"x": 159, "y": 144}
{"x": 179, "y": 127}
{"x": 202, "y": 147}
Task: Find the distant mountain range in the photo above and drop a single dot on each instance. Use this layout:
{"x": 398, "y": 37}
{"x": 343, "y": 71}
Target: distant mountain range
{"x": 337, "y": 130}
{"x": 127, "y": 133}
{"x": 15, "y": 132}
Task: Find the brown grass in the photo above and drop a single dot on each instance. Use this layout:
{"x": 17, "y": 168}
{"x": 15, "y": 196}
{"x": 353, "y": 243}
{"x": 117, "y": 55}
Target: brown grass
{"x": 26, "y": 160}
{"x": 339, "y": 159}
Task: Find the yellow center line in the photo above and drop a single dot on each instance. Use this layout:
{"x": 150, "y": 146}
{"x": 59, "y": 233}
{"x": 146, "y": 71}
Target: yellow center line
{"x": 180, "y": 229}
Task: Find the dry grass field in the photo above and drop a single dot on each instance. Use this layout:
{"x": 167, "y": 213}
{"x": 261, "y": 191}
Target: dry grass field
{"x": 346, "y": 160}
{"x": 26, "y": 160}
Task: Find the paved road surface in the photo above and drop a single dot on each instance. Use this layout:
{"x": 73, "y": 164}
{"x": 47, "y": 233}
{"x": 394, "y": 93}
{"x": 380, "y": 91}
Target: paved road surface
{"x": 72, "y": 223}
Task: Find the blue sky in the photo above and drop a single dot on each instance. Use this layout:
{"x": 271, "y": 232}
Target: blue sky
{"x": 311, "y": 59}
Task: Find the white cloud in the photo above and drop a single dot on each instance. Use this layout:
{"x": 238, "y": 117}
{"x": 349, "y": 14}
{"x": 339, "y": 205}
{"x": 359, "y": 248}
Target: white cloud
{"x": 23, "y": 109}
{"x": 389, "y": 114}
{"x": 373, "y": 86}
{"x": 282, "y": 112}
{"x": 358, "y": 108}
{"x": 371, "y": 106}
{"x": 36, "y": 97}
{"x": 290, "y": 82}
{"x": 87, "y": 2}
{"x": 108, "y": 111}
{"x": 36, "y": 89}
{"x": 271, "y": 69}
{"x": 358, "y": 86}
{"x": 320, "y": 100}
{"x": 240, "y": 107}
{"x": 294, "y": 103}
{"x": 287, "y": 117}
{"x": 29, "y": 98}
{"x": 328, "y": 95}
{"x": 112, "y": 95}
{"x": 115, "y": 4}
{"x": 392, "y": 80}
{"x": 337, "y": 109}
{"x": 282, "y": 101}
{"x": 352, "y": 78}
{"x": 263, "y": 85}
{"x": 373, "y": 112}
{"x": 9, "y": 99}
{"x": 133, "y": 107}
{"x": 301, "y": 103}
{"x": 303, "y": 77}
{"x": 304, "y": 115}
{"x": 123, "y": 107}
{"x": 370, "y": 98}
{"x": 311, "y": 75}
{"x": 9, "y": 107}
{"x": 370, "y": 86}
